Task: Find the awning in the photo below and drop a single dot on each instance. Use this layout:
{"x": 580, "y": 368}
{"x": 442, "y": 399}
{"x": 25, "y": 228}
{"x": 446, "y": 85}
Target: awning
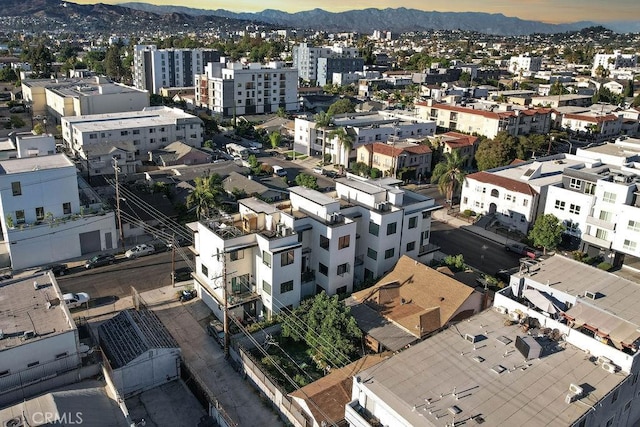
{"x": 241, "y": 246}
{"x": 539, "y": 300}
{"x": 303, "y": 227}
{"x": 285, "y": 248}
{"x": 619, "y": 331}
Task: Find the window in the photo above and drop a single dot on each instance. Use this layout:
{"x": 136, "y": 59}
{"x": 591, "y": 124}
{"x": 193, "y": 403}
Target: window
{"x": 236, "y": 255}
{"x": 574, "y": 209}
{"x": 629, "y": 245}
{"x": 266, "y": 287}
{"x": 324, "y": 242}
{"x": 66, "y": 208}
{"x": 152, "y": 130}
{"x": 626, "y": 405}
{"x": 136, "y": 131}
{"x": 391, "y": 228}
{"x": 609, "y": 197}
{"x": 124, "y": 132}
{"x": 286, "y": 258}
{"x": 411, "y": 246}
{"x": 341, "y": 290}
{"x": 589, "y": 188}
{"x": 343, "y": 269}
{"x": 633, "y": 225}
{"x": 266, "y": 258}
{"x": 389, "y": 253}
{"x": 286, "y": 287}
{"x": 609, "y": 422}
{"x": 575, "y": 183}
{"x": 16, "y": 188}
{"x": 372, "y": 254}
{"x": 40, "y": 213}
{"x": 560, "y": 204}
{"x": 601, "y": 234}
{"x": 205, "y": 271}
{"x": 322, "y": 269}
{"x": 614, "y": 396}
{"x": 61, "y": 355}
{"x": 343, "y": 242}
{"x": 32, "y": 364}
{"x": 374, "y": 228}
{"x": 93, "y": 136}
{"x": 606, "y": 216}
{"x": 525, "y": 203}
{"x": 495, "y": 193}
{"x": 413, "y": 222}
{"x": 20, "y": 217}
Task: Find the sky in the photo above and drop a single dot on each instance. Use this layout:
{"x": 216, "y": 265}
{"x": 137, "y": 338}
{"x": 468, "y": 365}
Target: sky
{"x": 552, "y": 11}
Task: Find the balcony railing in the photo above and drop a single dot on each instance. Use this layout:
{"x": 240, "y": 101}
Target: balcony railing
{"x": 605, "y": 244}
{"x": 601, "y": 223}
{"x": 358, "y": 416}
{"x": 428, "y": 248}
{"x": 308, "y": 276}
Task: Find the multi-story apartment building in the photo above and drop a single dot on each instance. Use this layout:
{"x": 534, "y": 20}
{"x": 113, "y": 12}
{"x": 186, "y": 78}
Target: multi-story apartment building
{"x": 365, "y": 128}
{"x": 516, "y": 194}
{"x": 391, "y": 157}
{"x": 154, "y": 69}
{"x": 560, "y": 347}
{"x": 149, "y": 129}
{"x": 237, "y": 88}
{"x": 341, "y": 65}
{"x": 591, "y": 126}
{"x": 76, "y": 97}
{"x": 305, "y": 58}
{"x": 613, "y": 61}
{"x": 46, "y": 217}
{"x": 487, "y": 122}
{"x": 269, "y": 256}
{"x": 464, "y": 145}
{"x": 525, "y": 63}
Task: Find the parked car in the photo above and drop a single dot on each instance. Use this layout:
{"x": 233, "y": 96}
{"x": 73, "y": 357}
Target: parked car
{"x": 99, "y": 260}
{"x": 57, "y": 269}
{"x": 17, "y": 109}
{"x": 139, "y": 250}
{"x": 279, "y": 171}
{"x": 318, "y": 170}
{"x": 215, "y": 329}
{"x": 522, "y": 249}
{"x": 76, "y": 300}
{"x": 504, "y": 275}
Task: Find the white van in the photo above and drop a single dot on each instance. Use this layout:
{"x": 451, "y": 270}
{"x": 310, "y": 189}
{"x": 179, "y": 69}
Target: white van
{"x": 279, "y": 170}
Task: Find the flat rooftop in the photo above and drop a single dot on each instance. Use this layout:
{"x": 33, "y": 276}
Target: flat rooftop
{"x": 133, "y": 119}
{"x": 313, "y": 195}
{"x": 30, "y": 164}
{"x": 550, "y": 170}
{"x": 24, "y": 308}
{"x": 367, "y": 187}
{"x": 490, "y": 378}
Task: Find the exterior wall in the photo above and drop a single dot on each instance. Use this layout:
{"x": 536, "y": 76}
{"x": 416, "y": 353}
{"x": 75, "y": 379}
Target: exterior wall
{"x": 35, "y": 145}
{"x": 627, "y": 236}
{"x": 110, "y": 103}
{"x": 152, "y": 369}
{"x": 570, "y": 207}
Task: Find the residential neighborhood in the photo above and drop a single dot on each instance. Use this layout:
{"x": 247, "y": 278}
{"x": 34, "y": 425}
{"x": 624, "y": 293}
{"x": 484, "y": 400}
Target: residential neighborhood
{"x": 211, "y": 218}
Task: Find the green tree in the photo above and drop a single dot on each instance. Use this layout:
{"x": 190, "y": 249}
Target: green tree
{"x": 345, "y": 140}
{"x": 547, "y": 232}
{"x": 496, "y": 152}
{"x": 628, "y": 89}
{"x": 449, "y": 174}
{"x": 8, "y": 74}
{"x": 341, "y": 106}
{"x": 205, "y": 195}
{"x": 305, "y": 180}
{"x": 40, "y": 58}
{"x": 113, "y": 62}
{"x": 38, "y": 129}
{"x": 274, "y": 139}
{"x": 328, "y": 328}
{"x": 16, "y": 121}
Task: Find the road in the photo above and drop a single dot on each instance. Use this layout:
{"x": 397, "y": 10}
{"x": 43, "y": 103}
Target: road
{"x": 107, "y": 284}
{"x": 478, "y": 252}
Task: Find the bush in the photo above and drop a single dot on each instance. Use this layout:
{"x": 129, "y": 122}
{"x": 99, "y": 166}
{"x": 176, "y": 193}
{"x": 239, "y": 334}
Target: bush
{"x": 375, "y": 173}
{"x": 455, "y": 262}
{"x": 468, "y": 212}
{"x": 605, "y": 266}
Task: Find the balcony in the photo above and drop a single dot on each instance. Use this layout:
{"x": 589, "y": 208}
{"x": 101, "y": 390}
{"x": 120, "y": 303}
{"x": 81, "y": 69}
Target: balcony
{"x": 605, "y": 244}
{"x": 427, "y": 249}
{"x": 308, "y": 276}
{"x": 600, "y": 223}
{"x": 357, "y": 416}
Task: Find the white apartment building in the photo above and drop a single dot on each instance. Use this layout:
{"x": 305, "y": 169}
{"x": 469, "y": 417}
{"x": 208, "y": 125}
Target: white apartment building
{"x": 305, "y": 57}
{"x": 365, "y": 128}
{"x": 273, "y": 255}
{"x": 516, "y": 194}
{"x": 613, "y": 61}
{"x": 149, "y": 129}
{"x": 48, "y": 214}
{"x": 154, "y": 69}
{"x": 560, "y": 347}
{"x": 39, "y": 344}
{"x": 81, "y": 96}
{"x": 591, "y": 126}
{"x": 525, "y": 63}
{"x": 487, "y": 121}
{"x": 229, "y": 89}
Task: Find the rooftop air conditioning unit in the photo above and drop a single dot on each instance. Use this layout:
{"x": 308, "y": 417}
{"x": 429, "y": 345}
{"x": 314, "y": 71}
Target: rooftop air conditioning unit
{"x": 576, "y": 389}
{"x": 501, "y": 310}
{"x": 610, "y": 367}
{"x": 602, "y": 359}
{"x": 570, "y": 398}
{"x": 515, "y": 316}
{"x": 471, "y": 338}
{"x": 591, "y": 295}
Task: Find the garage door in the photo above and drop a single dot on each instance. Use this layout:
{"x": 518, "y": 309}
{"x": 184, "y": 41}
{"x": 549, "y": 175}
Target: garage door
{"x": 90, "y": 242}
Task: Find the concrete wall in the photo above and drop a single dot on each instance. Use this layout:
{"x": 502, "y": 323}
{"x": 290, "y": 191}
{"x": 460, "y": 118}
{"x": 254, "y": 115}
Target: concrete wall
{"x": 156, "y": 367}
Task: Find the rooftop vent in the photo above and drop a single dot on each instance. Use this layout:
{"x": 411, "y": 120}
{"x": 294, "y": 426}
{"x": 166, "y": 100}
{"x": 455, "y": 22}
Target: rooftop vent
{"x": 591, "y": 295}
{"x": 498, "y": 369}
{"x": 576, "y": 389}
{"x": 610, "y": 367}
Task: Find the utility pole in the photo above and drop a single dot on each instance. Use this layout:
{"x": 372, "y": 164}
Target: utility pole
{"x": 173, "y": 260}
{"x": 226, "y": 305}
{"x": 116, "y": 168}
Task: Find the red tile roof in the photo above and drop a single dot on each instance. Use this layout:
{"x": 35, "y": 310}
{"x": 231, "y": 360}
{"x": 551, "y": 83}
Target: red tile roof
{"x": 593, "y": 119}
{"x": 461, "y": 140}
{"x": 391, "y": 151}
{"x": 501, "y": 181}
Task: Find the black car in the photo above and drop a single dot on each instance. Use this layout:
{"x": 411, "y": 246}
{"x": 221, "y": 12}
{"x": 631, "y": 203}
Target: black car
{"x": 58, "y": 269}
{"x": 99, "y": 260}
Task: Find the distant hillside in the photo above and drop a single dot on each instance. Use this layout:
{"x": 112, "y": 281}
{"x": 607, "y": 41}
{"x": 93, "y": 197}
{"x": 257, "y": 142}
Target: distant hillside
{"x": 395, "y": 20}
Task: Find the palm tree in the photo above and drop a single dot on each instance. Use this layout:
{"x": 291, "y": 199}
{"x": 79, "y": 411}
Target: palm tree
{"x": 449, "y": 174}
{"x": 323, "y": 121}
{"x": 345, "y": 140}
{"x": 274, "y": 139}
{"x": 205, "y": 194}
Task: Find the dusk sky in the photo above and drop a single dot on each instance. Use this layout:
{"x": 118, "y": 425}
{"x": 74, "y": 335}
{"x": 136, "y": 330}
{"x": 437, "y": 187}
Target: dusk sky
{"x": 554, "y": 11}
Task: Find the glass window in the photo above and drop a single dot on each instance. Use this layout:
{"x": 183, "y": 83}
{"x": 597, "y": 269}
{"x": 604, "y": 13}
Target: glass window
{"x": 609, "y": 197}
{"x": 606, "y": 216}
{"x": 286, "y": 287}
{"x": 66, "y": 208}
{"x": 391, "y": 228}
{"x": 374, "y": 228}
{"x": 634, "y": 225}
{"x": 601, "y": 234}
{"x": 20, "y": 217}
{"x": 575, "y": 183}
{"x": 16, "y": 188}
{"x": 322, "y": 269}
{"x": 266, "y": 287}
{"x": 236, "y": 255}
{"x": 574, "y": 209}
{"x": 560, "y": 204}
{"x": 590, "y": 188}
{"x": 343, "y": 242}
{"x": 389, "y": 253}
{"x": 372, "y": 254}
{"x": 343, "y": 269}
{"x": 324, "y": 242}
{"x": 266, "y": 258}
{"x": 411, "y": 246}
{"x": 413, "y": 222}
{"x": 629, "y": 245}
{"x": 39, "y": 213}
{"x": 286, "y": 258}
{"x": 205, "y": 271}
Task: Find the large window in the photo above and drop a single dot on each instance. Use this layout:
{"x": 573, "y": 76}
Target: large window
{"x": 324, "y": 242}
{"x": 40, "y": 213}
{"x": 16, "y": 188}
{"x": 634, "y": 225}
{"x": 322, "y": 269}
{"x": 602, "y": 234}
{"x": 392, "y": 228}
{"x": 343, "y": 242}
{"x": 236, "y": 255}
{"x": 413, "y": 222}
{"x": 606, "y": 216}
{"x": 266, "y": 287}
{"x": 20, "y": 217}
{"x": 374, "y": 228}
{"x": 286, "y": 287}
{"x": 266, "y": 258}
{"x": 372, "y": 254}
{"x": 629, "y": 245}
{"x": 389, "y": 253}
{"x": 286, "y": 258}
{"x": 66, "y": 208}
{"x": 343, "y": 269}
{"x": 609, "y": 197}
{"x": 590, "y": 188}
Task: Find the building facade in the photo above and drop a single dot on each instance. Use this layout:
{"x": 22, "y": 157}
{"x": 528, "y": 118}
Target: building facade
{"x": 305, "y": 58}
{"x": 328, "y": 66}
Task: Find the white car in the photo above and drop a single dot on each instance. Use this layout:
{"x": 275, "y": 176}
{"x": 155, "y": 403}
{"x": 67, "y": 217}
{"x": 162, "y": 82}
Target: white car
{"x": 139, "y": 250}
{"x": 318, "y": 170}
{"x": 76, "y": 300}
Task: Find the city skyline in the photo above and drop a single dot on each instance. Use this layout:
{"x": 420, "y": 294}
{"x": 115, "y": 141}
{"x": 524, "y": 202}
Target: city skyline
{"x": 561, "y": 11}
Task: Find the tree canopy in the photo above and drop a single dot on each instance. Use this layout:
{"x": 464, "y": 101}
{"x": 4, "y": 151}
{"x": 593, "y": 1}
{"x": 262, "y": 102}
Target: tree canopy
{"x": 206, "y": 194}
{"x": 496, "y": 152}
{"x": 341, "y": 106}
{"x": 308, "y": 181}
{"x": 547, "y": 232}
{"x": 328, "y": 328}
{"x": 449, "y": 174}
